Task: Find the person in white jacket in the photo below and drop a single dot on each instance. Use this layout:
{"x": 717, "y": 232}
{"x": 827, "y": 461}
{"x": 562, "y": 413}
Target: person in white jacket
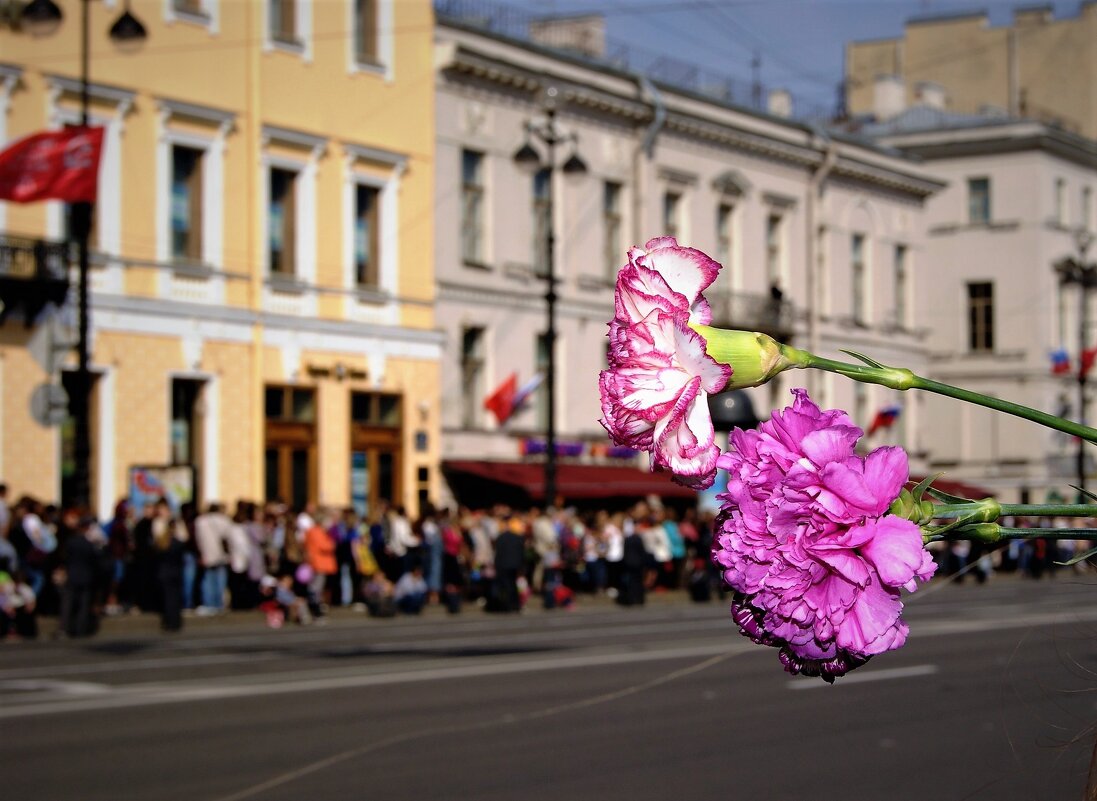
{"x": 212, "y": 532}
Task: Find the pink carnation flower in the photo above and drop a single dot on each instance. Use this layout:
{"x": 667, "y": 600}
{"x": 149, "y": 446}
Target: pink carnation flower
{"x": 805, "y": 541}
{"x": 655, "y": 392}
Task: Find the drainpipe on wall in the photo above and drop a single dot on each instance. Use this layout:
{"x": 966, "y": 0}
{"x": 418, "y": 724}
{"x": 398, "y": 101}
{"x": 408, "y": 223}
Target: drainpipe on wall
{"x": 814, "y": 195}
{"x": 647, "y": 148}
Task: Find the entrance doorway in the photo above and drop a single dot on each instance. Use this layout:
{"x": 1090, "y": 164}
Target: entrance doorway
{"x": 290, "y": 452}
{"x": 375, "y": 451}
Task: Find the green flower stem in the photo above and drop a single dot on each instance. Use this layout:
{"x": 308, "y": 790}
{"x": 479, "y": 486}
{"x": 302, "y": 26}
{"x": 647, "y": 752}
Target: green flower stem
{"x": 992, "y": 533}
{"x": 950, "y": 510}
{"x": 902, "y": 379}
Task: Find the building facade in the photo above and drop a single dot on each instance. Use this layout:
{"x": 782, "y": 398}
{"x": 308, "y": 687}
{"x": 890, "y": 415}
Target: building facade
{"x": 262, "y": 289}
{"x": 822, "y": 237}
{"x": 1019, "y": 200}
{"x": 1038, "y": 67}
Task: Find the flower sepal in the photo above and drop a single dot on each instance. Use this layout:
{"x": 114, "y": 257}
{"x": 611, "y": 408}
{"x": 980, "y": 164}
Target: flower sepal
{"x": 754, "y": 357}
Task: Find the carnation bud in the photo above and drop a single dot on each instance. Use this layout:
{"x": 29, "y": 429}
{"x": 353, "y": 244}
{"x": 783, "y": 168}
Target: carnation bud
{"x": 754, "y": 357}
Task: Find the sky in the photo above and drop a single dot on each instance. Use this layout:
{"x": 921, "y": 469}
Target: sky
{"x": 800, "y": 42}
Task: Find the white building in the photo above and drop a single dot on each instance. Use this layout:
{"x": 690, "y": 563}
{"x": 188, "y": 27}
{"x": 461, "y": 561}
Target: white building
{"x": 766, "y": 196}
{"x": 1018, "y": 195}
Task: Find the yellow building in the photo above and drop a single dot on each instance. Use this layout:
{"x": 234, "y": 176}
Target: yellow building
{"x": 1040, "y": 67}
{"x": 262, "y": 251}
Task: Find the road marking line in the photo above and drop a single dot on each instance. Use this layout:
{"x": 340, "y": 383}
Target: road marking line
{"x": 806, "y": 683}
{"x": 165, "y": 694}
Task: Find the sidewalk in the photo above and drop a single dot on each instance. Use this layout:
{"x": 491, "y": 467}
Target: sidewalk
{"x": 149, "y": 622}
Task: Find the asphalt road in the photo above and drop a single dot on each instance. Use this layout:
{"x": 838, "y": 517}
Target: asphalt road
{"x": 994, "y": 697}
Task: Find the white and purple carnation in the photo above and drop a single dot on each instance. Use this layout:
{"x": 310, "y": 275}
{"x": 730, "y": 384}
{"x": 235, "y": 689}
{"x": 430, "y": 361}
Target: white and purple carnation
{"x": 655, "y": 392}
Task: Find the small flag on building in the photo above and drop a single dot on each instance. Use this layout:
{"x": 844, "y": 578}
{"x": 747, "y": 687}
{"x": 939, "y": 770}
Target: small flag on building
{"x": 501, "y": 401}
{"x": 885, "y": 418}
{"x": 52, "y": 165}
{"x": 1060, "y": 361}
{"x": 525, "y": 391}
{"x": 1085, "y": 364}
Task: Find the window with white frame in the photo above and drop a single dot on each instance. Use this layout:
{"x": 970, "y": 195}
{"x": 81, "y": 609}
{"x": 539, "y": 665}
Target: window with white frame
{"x": 186, "y": 202}
{"x": 472, "y": 207}
{"x": 1060, "y": 202}
{"x": 672, "y": 214}
{"x": 472, "y": 374}
{"x": 978, "y": 203}
{"x": 289, "y": 26}
{"x": 282, "y": 222}
{"x": 724, "y": 213}
{"x": 1085, "y": 211}
{"x": 612, "y": 252}
{"x": 901, "y": 285}
{"x": 980, "y": 303}
{"x": 774, "y": 236}
{"x": 367, "y": 236}
{"x": 858, "y": 278}
{"x": 366, "y": 50}
{"x": 201, "y": 12}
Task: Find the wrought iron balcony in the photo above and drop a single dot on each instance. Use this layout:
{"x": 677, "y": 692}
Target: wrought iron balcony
{"x": 33, "y": 273}
{"x": 748, "y": 311}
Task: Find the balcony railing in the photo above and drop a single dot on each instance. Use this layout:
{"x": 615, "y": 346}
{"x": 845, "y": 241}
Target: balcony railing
{"x": 33, "y": 273}
{"x": 23, "y": 257}
{"x": 747, "y": 311}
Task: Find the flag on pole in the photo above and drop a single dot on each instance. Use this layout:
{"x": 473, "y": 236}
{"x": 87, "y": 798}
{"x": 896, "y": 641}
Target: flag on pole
{"x": 885, "y": 418}
{"x": 501, "y": 401}
{"x": 1085, "y": 364}
{"x": 525, "y": 391}
{"x": 1060, "y": 361}
{"x": 52, "y": 165}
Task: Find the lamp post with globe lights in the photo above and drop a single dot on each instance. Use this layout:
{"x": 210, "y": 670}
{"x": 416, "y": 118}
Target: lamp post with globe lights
{"x": 547, "y": 130}
{"x": 42, "y": 18}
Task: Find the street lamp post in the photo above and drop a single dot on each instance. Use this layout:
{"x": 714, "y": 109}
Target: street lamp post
{"x": 42, "y": 17}
{"x": 1078, "y": 272}
{"x": 547, "y": 130}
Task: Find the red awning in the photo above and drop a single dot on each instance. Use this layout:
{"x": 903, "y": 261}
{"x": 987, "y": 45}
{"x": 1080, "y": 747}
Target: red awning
{"x": 573, "y": 481}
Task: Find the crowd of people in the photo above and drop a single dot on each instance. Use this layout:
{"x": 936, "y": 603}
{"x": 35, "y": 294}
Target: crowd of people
{"x": 295, "y": 565}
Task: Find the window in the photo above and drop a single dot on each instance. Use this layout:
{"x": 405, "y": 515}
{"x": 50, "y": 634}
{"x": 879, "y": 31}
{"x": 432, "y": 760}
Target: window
{"x": 857, "y": 277}
{"x": 980, "y": 303}
{"x": 978, "y": 201}
{"x": 282, "y": 231}
{"x": 366, "y": 236}
{"x": 822, "y": 284}
{"x": 186, "y": 421}
{"x": 672, "y": 211}
{"x": 186, "y": 203}
{"x": 723, "y": 233}
{"x": 375, "y": 449}
{"x": 611, "y": 227}
{"x": 290, "y": 451}
{"x": 542, "y": 219}
{"x": 1086, "y": 210}
{"x": 72, "y": 226}
{"x": 773, "y": 249}
{"x": 365, "y": 31}
{"x": 189, "y": 7}
{"x": 472, "y": 375}
{"x": 1060, "y": 202}
{"x": 472, "y": 207}
{"x": 900, "y": 269}
{"x": 283, "y": 21}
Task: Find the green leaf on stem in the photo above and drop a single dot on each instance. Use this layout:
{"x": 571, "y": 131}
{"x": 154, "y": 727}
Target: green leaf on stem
{"x": 1079, "y": 558}
{"x": 923, "y": 485}
{"x": 944, "y": 497}
{"x": 1085, "y": 492}
{"x": 863, "y": 358}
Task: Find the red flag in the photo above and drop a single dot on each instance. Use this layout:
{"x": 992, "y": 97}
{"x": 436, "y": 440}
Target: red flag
{"x": 54, "y": 165}
{"x": 1089, "y": 357}
{"x": 501, "y": 401}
